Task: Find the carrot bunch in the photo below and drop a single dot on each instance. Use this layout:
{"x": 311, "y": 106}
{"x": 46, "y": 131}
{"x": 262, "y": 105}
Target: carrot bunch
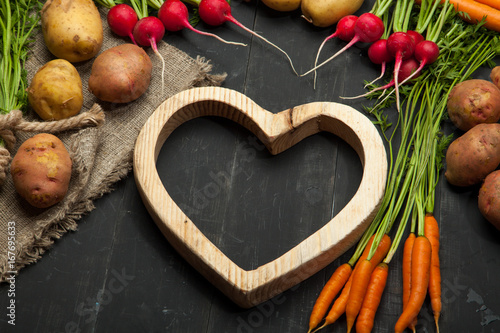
{"x": 353, "y": 280}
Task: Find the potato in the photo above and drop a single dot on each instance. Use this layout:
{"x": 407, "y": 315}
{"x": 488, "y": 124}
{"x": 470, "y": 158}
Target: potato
{"x": 324, "y": 13}
{"x": 489, "y": 198}
{"x": 55, "y": 92}
{"x": 472, "y": 156}
{"x": 72, "y": 29}
{"x": 282, "y": 5}
{"x": 120, "y": 74}
{"x": 41, "y": 170}
{"x": 495, "y": 76}
{"x": 473, "y": 102}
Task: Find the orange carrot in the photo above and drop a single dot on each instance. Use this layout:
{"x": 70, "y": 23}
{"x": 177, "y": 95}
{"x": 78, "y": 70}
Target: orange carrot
{"x": 432, "y": 233}
{"x": 330, "y": 290}
{"x": 475, "y": 11}
{"x": 420, "y": 271}
{"x": 339, "y": 306}
{"x": 492, "y": 3}
{"x": 371, "y": 301}
{"x": 382, "y": 249}
{"x": 407, "y": 250}
{"x": 360, "y": 282}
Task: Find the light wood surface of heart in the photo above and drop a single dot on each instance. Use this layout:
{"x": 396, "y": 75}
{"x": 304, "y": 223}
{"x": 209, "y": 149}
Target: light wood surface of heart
{"x": 277, "y": 132}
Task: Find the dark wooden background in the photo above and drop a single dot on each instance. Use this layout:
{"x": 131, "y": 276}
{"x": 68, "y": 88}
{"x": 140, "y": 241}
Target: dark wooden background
{"x": 117, "y": 273}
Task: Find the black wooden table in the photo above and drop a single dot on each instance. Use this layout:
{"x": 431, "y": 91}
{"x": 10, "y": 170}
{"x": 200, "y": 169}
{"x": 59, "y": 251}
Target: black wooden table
{"x": 117, "y": 273}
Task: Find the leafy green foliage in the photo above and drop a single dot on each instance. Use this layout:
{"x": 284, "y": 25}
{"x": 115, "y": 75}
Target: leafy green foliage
{"x": 17, "y": 24}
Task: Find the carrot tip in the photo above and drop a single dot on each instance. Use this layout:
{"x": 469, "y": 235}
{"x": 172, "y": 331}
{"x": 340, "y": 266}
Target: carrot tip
{"x": 436, "y": 318}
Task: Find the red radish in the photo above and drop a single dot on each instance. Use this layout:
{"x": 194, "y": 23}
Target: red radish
{"x": 147, "y": 32}
{"x": 426, "y": 52}
{"x": 344, "y": 31}
{"x": 217, "y": 12}
{"x": 378, "y": 54}
{"x": 401, "y": 46}
{"x": 367, "y": 29}
{"x": 121, "y": 20}
{"x": 415, "y": 36}
{"x": 175, "y": 16}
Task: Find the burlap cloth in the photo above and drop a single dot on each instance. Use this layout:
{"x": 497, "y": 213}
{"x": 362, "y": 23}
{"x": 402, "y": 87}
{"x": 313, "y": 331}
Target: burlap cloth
{"x": 101, "y": 155}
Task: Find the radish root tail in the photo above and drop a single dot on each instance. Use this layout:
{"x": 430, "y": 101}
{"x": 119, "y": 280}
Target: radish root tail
{"x": 215, "y": 36}
{"x": 317, "y": 57}
{"x": 348, "y": 45}
{"x": 233, "y": 20}
{"x": 155, "y": 49}
{"x": 382, "y": 73}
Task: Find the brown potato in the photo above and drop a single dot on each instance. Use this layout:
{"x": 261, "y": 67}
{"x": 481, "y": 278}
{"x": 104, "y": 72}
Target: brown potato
{"x": 489, "y": 198}
{"x": 41, "y": 170}
{"x": 120, "y": 74}
{"x": 55, "y": 92}
{"x": 473, "y": 102}
{"x": 472, "y": 156}
{"x": 495, "y": 76}
{"x": 72, "y": 29}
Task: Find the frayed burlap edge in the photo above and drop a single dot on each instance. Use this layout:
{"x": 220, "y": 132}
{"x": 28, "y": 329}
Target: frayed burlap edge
{"x": 46, "y": 238}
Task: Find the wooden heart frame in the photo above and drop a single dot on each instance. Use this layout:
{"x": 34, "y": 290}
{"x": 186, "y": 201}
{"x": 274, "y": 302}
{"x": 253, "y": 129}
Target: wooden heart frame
{"x": 277, "y": 132}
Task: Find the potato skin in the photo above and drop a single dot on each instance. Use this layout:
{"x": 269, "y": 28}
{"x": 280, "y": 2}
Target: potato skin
{"x": 489, "y": 198}
{"x": 72, "y": 29}
{"x": 55, "y": 92}
{"x": 41, "y": 170}
{"x": 120, "y": 74}
{"x": 473, "y": 102}
{"x": 282, "y": 5}
{"x": 472, "y": 156}
{"x": 324, "y": 13}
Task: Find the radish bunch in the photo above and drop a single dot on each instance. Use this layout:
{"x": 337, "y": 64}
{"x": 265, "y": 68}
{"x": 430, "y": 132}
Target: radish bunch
{"x": 146, "y": 30}
{"x": 409, "y": 51}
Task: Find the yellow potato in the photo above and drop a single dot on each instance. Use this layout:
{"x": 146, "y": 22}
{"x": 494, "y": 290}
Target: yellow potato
{"x": 282, "y": 5}
{"x": 55, "y": 92}
{"x": 72, "y": 29}
{"x": 41, "y": 170}
{"x": 324, "y": 13}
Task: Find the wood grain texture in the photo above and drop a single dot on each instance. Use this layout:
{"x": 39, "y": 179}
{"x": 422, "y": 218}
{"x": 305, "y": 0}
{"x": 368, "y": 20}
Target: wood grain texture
{"x": 277, "y": 132}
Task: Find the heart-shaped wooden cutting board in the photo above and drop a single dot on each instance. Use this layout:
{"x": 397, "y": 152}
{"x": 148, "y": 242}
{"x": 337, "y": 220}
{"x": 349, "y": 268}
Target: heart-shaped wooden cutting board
{"x": 277, "y": 132}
